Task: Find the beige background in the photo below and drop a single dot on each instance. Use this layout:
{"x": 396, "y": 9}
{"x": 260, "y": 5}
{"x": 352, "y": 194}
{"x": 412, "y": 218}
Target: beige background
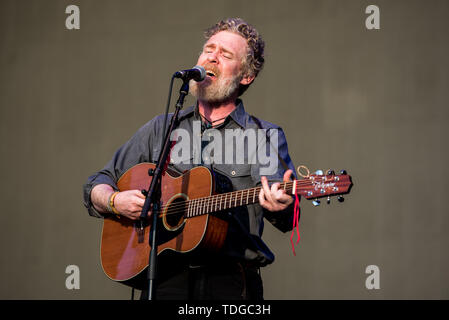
{"x": 374, "y": 102}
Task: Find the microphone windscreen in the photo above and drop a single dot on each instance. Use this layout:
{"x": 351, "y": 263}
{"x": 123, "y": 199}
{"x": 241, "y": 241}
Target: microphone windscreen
{"x": 202, "y": 72}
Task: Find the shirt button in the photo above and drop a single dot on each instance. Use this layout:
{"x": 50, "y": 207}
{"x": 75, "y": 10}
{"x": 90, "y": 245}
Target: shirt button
{"x": 233, "y": 172}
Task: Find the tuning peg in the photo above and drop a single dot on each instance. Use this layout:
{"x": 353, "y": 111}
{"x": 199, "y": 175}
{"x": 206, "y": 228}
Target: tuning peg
{"x": 319, "y": 172}
{"x": 330, "y": 172}
{"x": 316, "y": 202}
{"x": 328, "y": 200}
{"x": 343, "y": 171}
{"x": 340, "y": 198}
{"x": 144, "y": 192}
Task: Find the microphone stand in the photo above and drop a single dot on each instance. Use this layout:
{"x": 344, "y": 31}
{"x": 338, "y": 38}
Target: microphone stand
{"x": 153, "y": 195}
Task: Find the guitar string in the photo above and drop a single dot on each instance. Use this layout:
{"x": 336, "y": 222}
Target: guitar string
{"x": 216, "y": 196}
{"x": 218, "y": 199}
{"x": 215, "y": 200}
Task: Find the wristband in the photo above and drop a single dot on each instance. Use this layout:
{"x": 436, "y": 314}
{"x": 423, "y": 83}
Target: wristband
{"x": 111, "y": 207}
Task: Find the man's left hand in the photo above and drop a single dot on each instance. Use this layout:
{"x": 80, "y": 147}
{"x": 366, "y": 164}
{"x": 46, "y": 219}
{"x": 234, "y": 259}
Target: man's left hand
{"x": 275, "y": 199}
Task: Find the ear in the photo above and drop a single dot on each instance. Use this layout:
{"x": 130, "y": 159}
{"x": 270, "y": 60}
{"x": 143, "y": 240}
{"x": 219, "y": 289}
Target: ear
{"x": 246, "y": 80}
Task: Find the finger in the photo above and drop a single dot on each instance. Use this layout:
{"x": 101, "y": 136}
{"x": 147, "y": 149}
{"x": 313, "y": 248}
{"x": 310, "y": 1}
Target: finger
{"x": 274, "y": 192}
{"x": 261, "y": 198}
{"x": 277, "y": 193}
{"x": 139, "y": 201}
{"x": 139, "y": 194}
{"x": 136, "y": 214}
{"x": 285, "y": 199}
{"x": 136, "y": 208}
{"x": 288, "y": 175}
{"x": 266, "y": 189}
{"x": 262, "y": 201}
{"x": 275, "y": 187}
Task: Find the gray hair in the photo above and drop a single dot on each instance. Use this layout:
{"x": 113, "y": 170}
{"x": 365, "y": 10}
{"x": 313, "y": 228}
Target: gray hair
{"x": 254, "y": 61}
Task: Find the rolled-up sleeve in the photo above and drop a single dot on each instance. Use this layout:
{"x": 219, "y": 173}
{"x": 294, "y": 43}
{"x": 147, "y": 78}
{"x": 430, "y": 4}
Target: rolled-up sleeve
{"x": 134, "y": 151}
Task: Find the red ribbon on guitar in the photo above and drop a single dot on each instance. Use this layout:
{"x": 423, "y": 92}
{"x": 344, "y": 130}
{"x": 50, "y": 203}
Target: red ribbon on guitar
{"x": 295, "y": 223}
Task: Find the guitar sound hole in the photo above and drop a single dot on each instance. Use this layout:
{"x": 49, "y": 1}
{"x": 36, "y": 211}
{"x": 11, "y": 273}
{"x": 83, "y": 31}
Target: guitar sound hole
{"x": 174, "y": 215}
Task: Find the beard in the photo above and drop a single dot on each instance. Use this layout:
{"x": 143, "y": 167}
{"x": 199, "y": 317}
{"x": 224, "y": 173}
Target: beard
{"x": 215, "y": 92}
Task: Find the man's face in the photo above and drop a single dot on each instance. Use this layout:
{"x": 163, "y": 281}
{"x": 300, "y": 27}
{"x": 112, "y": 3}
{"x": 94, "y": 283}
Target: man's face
{"x": 222, "y": 57}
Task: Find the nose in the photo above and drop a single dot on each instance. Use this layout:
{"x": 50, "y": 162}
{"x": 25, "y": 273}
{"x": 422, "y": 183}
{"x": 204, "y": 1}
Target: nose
{"x": 212, "y": 57}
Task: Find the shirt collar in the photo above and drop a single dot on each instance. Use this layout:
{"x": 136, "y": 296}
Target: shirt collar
{"x": 238, "y": 114}
{"x": 187, "y": 112}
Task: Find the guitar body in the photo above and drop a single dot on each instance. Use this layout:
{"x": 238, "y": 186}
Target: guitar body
{"x": 125, "y": 243}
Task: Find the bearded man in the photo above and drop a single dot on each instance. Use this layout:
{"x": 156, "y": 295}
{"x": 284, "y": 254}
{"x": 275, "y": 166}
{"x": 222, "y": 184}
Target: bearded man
{"x": 232, "y": 56}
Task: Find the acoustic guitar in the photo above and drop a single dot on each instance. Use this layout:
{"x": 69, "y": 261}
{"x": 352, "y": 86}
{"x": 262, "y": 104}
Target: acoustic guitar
{"x": 189, "y": 216}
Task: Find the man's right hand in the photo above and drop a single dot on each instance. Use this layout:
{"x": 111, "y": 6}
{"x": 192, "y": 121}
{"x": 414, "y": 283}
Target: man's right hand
{"x": 129, "y": 203}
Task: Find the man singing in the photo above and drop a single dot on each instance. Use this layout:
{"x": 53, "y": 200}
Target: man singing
{"x": 232, "y": 56}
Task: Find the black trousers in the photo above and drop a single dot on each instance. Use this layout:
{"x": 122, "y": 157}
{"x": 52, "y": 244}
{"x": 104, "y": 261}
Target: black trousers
{"x": 211, "y": 281}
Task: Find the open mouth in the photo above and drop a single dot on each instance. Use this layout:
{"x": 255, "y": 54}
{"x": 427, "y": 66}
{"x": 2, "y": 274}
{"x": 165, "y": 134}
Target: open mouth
{"x": 210, "y": 73}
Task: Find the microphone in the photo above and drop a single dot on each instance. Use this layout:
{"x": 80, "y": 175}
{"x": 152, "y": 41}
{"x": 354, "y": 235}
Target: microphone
{"x": 197, "y": 73}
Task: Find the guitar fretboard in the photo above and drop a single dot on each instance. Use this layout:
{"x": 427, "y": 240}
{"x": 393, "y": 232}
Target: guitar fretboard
{"x": 218, "y": 202}
{"x": 312, "y": 187}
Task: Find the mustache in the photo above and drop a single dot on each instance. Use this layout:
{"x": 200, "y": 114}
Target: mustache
{"x": 212, "y": 68}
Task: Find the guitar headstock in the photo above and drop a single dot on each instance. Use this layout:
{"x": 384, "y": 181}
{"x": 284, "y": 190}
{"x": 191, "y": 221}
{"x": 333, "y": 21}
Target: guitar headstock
{"x": 319, "y": 185}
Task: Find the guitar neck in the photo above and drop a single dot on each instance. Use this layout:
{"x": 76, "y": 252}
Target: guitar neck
{"x": 229, "y": 200}
{"x": 312, "y": 187}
